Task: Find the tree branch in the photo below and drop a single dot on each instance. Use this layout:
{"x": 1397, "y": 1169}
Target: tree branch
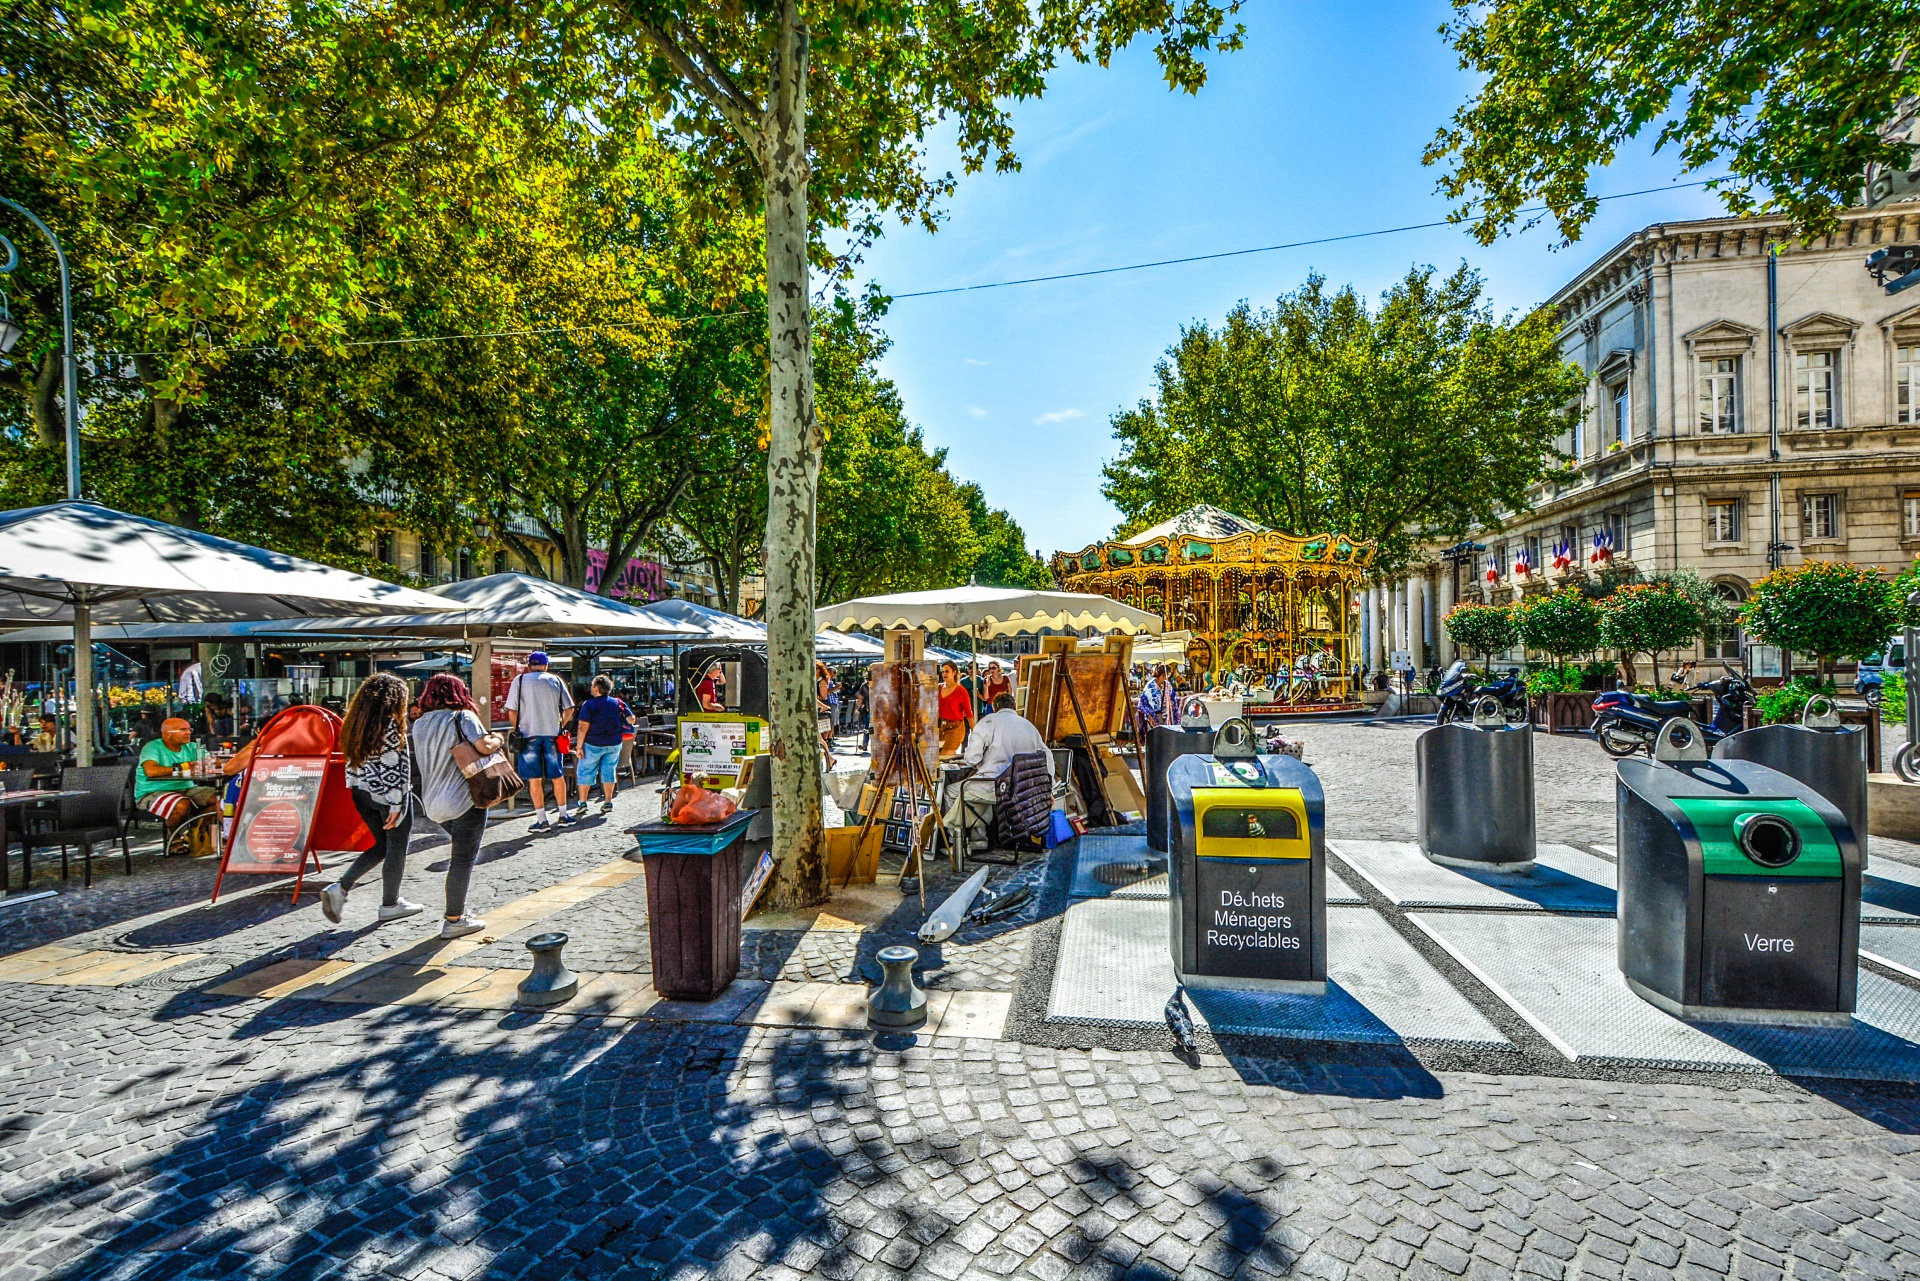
{"x": 739, "y": 110}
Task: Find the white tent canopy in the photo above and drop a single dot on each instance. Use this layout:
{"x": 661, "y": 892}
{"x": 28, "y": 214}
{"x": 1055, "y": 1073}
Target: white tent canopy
{"x": 986, "y": 612}
{"x": 81, "y": 563}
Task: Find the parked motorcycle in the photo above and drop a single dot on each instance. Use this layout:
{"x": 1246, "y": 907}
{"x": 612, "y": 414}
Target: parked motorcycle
{"x": 1459, "y": 692}
{"x": 1627, "y": 723}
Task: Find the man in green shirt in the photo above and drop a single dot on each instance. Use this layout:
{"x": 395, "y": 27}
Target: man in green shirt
{"x": 163, "y": 782}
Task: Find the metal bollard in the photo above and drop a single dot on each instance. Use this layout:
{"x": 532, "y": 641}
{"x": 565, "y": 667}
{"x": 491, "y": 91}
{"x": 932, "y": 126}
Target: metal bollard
{"x": 551, "y": 982}
{"x": 897, "y": 1005}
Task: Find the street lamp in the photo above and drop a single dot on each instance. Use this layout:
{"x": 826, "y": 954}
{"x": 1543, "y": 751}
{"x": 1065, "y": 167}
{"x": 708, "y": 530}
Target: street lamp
{"x": 10, "y": 334}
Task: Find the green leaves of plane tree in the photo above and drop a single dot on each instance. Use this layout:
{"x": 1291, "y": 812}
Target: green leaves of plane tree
{"x": 1419, "y": 419}
{"x": 1788, "y": 96}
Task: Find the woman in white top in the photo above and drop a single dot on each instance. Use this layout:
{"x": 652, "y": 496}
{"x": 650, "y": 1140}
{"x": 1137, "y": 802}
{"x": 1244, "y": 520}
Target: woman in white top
{"x": 447, "y": 715}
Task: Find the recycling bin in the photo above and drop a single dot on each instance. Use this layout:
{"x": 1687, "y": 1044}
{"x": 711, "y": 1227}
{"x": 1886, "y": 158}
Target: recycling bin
{"x": 1165, "y": 743}
{"x": 1475, "y": 792}
{"x": 693, "y": 904}
{"x": 1817, "y": 752}
{"x": 1739, "y": 892}
{"x": 1247, "y": 869}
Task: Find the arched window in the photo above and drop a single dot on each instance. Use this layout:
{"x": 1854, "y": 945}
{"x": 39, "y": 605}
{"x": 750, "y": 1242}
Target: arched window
{"x": 1726, "y": 645}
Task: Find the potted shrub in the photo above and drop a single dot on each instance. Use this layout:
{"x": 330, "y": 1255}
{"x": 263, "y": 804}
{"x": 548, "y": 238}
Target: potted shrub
{"x": 1827, "y": 609}
{"x": 1646, "y": 618}
{"x": 1481, "y": 629}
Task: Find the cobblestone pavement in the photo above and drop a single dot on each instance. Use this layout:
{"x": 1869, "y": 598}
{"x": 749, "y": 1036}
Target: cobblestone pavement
{"x": 154, "y": 1130}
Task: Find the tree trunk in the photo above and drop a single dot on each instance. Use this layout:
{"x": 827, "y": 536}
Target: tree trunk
{"x": 793, "y": 470}
{"x": 49, "y": 425}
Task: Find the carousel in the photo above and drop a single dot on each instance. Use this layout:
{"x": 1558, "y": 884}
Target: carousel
{"x": 1274, "y": 613}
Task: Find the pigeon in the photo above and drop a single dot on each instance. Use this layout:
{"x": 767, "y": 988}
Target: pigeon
{"x": 1180, "y": 1023}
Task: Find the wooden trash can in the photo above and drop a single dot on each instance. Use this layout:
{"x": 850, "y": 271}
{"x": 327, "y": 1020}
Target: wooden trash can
{"x": 693, "y": 904}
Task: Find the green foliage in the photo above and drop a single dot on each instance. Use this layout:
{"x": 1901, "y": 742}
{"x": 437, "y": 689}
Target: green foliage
{"x": 1716, "y": 612}
{"x": 1905, "y": 584}
{"x": 1560, "y": 623}
{"x": 1564, "y": 678}
{"x": 1647, "y": 618}
{"x": 1422, "y": 418}
{"x": 1787, "y": 96}
{"x": 1827, "y": 609}
{"x": 1481, "y": 629}
{"x": 1785, "y": 702}
{"x": 891, "y": 517}
{"x": 1005, "y": 559}
{"x": 1894, "y": 687}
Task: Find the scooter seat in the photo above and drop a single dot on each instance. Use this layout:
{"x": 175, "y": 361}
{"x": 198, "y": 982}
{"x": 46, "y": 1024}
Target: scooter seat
{"x": 1661, "y": 706}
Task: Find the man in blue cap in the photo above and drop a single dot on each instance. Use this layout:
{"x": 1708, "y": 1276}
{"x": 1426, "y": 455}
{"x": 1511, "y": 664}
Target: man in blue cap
{"x": 537, "y": 705}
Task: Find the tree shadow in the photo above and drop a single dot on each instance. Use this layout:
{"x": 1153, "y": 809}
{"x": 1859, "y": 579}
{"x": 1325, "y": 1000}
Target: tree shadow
{"x": 1245, "y": 1222}
{"x": 577, "y": 1145}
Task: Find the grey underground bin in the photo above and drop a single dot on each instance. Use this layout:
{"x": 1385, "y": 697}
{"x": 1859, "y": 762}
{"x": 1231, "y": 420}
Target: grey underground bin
{"x": 1247, "y": 883}
{"x": 1165, "y": 744}
{"x": 1739, "y": 889}
{"x": 1475, "y": 791}
{"x": 1818, "y": 752}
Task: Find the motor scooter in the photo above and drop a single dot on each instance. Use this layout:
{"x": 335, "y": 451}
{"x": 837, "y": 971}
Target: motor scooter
{"x": 1459, "y": 692}
{"x": 1626, "y": 723}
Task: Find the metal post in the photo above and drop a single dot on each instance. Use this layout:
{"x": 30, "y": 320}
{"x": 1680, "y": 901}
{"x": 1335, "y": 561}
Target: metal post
{"x": 70, "y": 370}
{"x": 1773, "y": 403}
{"x": 82, "y": 679}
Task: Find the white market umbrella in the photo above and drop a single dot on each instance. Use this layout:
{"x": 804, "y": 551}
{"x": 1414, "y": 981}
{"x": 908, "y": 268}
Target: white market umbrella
{"x": 81, "y": 563}
{"x": 987, "y": 612}
{"x": 513, "y": 606}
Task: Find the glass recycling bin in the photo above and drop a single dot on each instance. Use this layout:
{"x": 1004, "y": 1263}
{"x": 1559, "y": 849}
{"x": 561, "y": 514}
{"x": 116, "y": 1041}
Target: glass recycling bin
{"x": 1739, "y": 891}
{"x": 1247, "y": 871}
{"x": 1818, "y": 752}
{"x": 1474, "y": 784}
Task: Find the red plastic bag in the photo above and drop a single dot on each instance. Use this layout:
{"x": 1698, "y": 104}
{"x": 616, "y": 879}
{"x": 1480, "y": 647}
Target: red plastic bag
{"x": 565, "y": 743}
{"x": 695, "y": 804}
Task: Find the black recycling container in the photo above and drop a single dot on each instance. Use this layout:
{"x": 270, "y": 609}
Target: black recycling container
{"x": 1247, "y": 871}
{"x": 1475, "y": 793}
{"x": 1739, "y": 892}
{"x": 1165, "y": 744}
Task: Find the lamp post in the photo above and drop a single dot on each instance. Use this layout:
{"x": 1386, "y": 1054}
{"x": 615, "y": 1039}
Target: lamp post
{"x": 82, "y": 611}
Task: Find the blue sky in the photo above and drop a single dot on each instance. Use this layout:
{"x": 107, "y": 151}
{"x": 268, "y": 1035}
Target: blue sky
{"x": 1315, "y": 129}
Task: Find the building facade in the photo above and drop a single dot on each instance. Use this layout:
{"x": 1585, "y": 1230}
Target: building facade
{"x": 1707, "y": 437}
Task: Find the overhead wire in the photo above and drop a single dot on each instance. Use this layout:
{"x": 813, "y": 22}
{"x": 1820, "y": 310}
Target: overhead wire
{"x": 1265, "y": 249}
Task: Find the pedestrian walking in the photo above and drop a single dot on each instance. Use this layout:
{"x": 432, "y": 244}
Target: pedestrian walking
{"x": 602, "y": 729}
{"x": 447, "y": 716}
{"x": 537, "y": 706}
{"x": 380, "y": 781}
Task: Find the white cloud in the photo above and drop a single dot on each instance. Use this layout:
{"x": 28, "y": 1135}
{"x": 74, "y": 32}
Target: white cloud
{"x": 976, "y": 412}
{"x": 1059, "y": 416}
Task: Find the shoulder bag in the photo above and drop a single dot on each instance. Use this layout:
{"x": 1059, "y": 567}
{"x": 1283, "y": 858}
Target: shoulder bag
{"x": 490, "y": 776}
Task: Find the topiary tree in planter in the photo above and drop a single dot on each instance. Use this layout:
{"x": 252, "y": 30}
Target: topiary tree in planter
{"x": 1481, "y": 629}
{"x": 1829, "y": 609}
{"x": 1646, "y": 618}
{"x": 1562, "y": 624}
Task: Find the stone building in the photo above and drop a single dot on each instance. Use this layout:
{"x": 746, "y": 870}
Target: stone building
{"x": 1682, "y": 456}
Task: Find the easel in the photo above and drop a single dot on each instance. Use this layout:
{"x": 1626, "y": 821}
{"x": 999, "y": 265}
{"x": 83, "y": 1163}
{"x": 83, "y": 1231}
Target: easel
{"x": 911, "y": 773}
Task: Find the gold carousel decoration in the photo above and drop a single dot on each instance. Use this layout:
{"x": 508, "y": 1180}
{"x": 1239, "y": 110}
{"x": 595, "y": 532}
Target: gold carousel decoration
{"x": 1276, "y": 611}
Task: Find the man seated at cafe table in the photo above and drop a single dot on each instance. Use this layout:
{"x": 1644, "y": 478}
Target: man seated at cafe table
{"x": 163, "y": 781}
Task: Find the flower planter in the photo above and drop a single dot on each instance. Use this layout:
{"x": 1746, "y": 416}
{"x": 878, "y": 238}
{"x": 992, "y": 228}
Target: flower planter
{"x": 1563, "y": 713}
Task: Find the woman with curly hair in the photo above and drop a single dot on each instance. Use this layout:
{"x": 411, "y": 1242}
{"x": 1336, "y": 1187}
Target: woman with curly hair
{"x": 380, "y": 780}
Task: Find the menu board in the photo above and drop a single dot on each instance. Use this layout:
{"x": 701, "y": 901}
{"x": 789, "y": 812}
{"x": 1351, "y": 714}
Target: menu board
{"x": 271, "y": 831}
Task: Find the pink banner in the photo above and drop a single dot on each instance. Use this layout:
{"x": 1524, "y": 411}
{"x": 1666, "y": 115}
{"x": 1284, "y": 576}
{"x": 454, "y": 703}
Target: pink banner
{"x": 641, "y": 580}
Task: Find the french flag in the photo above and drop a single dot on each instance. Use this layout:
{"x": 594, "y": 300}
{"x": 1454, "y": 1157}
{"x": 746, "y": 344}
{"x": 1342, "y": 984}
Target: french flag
{"x": 1523, "y": 563}
{"x": 1563, "y": 555}
{"x": 1602, "y": 546}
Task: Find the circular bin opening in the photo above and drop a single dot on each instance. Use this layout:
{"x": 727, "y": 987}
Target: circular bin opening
{"x": 1767, "y": 839}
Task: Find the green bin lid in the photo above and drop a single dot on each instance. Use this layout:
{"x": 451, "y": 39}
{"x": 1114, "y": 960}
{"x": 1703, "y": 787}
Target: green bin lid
{"x": 1716, "y": 819}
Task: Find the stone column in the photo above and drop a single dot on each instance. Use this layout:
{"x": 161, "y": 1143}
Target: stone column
{"x": 1399, "y": 615}
{"x": 1377, "y": 620}
{"x": 1417, "y": 607}
{"x": 1442, "y": 643}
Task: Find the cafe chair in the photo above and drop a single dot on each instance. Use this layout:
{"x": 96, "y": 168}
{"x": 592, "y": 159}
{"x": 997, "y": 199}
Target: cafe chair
{"x": 132, "y": 815}
{"x": 89, "y": 819}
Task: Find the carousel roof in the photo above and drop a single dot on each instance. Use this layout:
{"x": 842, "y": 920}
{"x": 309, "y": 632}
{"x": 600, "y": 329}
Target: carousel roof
{"x": 1202, "y": 520}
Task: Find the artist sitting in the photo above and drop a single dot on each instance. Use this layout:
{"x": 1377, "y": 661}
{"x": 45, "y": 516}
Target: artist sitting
{"x": 995, "y": 741}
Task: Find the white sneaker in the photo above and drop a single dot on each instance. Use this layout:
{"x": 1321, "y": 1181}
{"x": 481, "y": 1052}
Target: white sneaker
{"x": 332, "y": 900}
{"x": 461, "y": 927}
{"x": 400, "y": 911}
